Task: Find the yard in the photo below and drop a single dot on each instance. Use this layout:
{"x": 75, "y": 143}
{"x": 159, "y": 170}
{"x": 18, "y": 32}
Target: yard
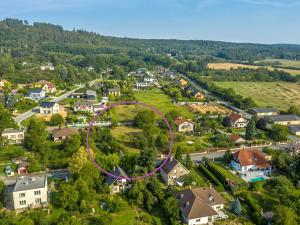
{"x": 280, "y": 95}
{"x": 161, "y": 101}
{"x": 126, "y": 217}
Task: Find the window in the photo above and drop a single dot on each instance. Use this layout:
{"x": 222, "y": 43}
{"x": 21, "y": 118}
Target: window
{"x": 23, "y": 202}
{"x": 198, "y": 220}
{"x": 22, "y": 195}
{"x": 37, "y": 192}
{"x": 38, "y": 201}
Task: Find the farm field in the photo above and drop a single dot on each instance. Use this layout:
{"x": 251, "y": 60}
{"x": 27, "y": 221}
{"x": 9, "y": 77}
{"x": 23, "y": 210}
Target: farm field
{"x": 280, "y": 95}
{"x": 228, "y": 66}
{"x": 161, "y": 101}
{"x": 282, "y": 62}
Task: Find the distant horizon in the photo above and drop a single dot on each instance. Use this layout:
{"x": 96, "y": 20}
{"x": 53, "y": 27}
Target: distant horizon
{"x": 236, "y": 21}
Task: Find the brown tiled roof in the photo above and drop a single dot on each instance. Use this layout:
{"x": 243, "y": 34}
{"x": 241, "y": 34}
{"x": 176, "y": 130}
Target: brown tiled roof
{"x": 180, "y": 120}
{"x": 235, "y": 117}
{"x": 234, "y": 137}
{"x": 198, "y": 202}
{"x": 247, "y": 157}
{"x": 50, "y": 85}
{"x": 64, "y": 132}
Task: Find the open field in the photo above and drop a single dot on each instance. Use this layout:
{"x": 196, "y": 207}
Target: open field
{"x": 280, "y": 95}
{"x": 228, "y": 66}
{"x": 282, "y": 62}
{"x": 159, "y": 100}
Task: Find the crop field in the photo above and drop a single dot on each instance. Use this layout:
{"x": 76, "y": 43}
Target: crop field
{"x": 228, "y": 66}
{"x": 280, "y": 95}
{"x": 282, "y": 62}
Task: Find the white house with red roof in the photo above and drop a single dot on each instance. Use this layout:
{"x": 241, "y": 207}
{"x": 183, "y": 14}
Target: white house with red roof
{"x": 251, "y": 160}
{"x": 47, "y": 86}
{"x": 236, "y": 139}
{"x": 184, "y": 125}
{"x": 237, "y": 121}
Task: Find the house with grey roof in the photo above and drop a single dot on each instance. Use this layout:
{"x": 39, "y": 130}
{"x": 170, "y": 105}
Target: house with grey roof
{"x": 295, "y": 129}
{"x": 91, "y": 95}
{"x": 173, "y": 172}
{"x": 30, "y": 192}
{"x": 36, "y": 94}
{"x": 13, "y": 136}
{"x": 118, "y": 183}
{"x": 200, "y": 205}
{"x": 49, "y": 108}
{"x": 284, "y": 120}
{"x": 262, "y": 112}
{"x": 114, "y": 91}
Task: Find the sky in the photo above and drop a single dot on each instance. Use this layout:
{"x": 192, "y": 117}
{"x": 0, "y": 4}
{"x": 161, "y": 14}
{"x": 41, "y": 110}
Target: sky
{"x": 257, "y": 21}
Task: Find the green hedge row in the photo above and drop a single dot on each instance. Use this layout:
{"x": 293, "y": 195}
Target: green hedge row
{"x": 211, "y": 177}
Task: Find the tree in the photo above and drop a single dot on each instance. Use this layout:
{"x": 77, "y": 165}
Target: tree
{"x": 261, "y": 124}
{"x": 279, "y": 132}
{"x": 147, "y": 158}
{"x": 188, "y": 162}
{"x": 57, "y": 120}
{"x": 68, "y": 196}
{"x": 285, "y": 216}
{"x": 171, "y": 209}
{"x": 250, "y": 129}
{"x": 78, "y": 160}
{"x": 178, "y": 153}
{"x": 36, "y": 136}
{"x": 227, "y": 156}
{"x": 145, "y": 119}
{"x": 236, "y": 207}
{"x": 294, "y": 110}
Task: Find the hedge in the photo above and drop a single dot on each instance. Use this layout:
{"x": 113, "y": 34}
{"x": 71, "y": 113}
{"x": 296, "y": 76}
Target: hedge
{"x": 211, "y": 177}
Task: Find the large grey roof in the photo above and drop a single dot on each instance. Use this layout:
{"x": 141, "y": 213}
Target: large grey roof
{"x": 90, "y": 92}
{"x": 170, "y": 165}
{"x": 283, "y": 118}
{"x": 264, "y": 110}
{"x": 118, "y": 172}
{"x": 29, "y": 183}
{"x": 47, "y": 104}
{"x": 11, "y": 130}
{"x": 294, "y": 128}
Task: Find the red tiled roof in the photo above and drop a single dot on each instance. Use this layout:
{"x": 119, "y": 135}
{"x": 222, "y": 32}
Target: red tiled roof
{"x": 247, "y": 157}
{"x": 50, "y": 85}
{"x": 234, "y": 137}
{"x": 180, "y": 120}
{"x": 235, "y": 117}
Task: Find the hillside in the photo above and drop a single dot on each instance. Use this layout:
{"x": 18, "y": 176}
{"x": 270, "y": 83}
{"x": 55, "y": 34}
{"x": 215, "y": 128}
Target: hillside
{"x": 20, "y": 38}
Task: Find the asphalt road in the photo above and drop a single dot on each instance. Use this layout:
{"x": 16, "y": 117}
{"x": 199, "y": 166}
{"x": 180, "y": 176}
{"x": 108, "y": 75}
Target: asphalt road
{"x": 35, "y": 110}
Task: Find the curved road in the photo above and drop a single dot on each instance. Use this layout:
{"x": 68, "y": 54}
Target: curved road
{"x": 35, "y": 110}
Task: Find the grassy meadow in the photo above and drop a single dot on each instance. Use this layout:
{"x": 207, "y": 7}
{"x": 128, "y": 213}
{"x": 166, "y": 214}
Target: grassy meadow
{"x": 280, "y": 95}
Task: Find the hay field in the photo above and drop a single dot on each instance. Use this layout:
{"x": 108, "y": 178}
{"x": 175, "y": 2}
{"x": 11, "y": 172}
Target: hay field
{"x": 280, "y": 95}
{"x": 228, "y": 66}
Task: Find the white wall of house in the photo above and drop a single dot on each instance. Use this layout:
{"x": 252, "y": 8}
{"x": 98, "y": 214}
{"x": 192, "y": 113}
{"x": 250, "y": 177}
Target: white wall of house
{"x": 14, "y": 138}
{"x": 201, "y": 220}
{"x": 50, "y": 111}
{"x": 33, "y": 198}
{"x": 240, "y": 123}
{"x": 186, "y": 127}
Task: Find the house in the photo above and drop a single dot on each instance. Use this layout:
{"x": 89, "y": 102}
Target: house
{"x": 91, "y": 95}
{"x": 251, "y": 160}
{"x": 141, "y": 85}
{"x": 77, "y": 95}
{"x": 48, "y": 66}
{"x": 30, "y": 192}
{"x": 237, "y": 121}
{"x": 83, "y": 106}
{"x": 36, "y": 94}
{"x": 13, "y": 136}
{"x": 173, "y": 172}
{"x": 262, "y": 112}
{"x": 236, "y": 139}
{"x": 104, "y": 99}
{"x": 200, "y": 205}
{"x": 49, "y": 108}
{"x": 22, "y": 168}
{"x": 294, "y": 148}
{"x": 4, "y": 83}
{"x": 149, "y": 79}
{"x": 182, "y": 82}
{"x": 294, "y": 129}
{"x": 98, "y": 107}
{"x": 184, "y": 125}
{"x": 200, "y": 96}
{"x": 61, "y": 134}
{"x": 114, "y": 91}
{"x": 118, "y": 183}
{"x": 284, "y": 120}
{"x": 47, "y": 86}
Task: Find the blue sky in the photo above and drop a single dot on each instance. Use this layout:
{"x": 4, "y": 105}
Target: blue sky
{"x": 262, "y": 21}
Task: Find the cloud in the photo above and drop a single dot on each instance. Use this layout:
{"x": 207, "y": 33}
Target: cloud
{"x": 279, "y": 3}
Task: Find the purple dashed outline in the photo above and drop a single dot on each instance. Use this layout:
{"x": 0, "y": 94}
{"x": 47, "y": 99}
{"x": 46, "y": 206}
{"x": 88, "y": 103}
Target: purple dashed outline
{"x": 130, "y": 103}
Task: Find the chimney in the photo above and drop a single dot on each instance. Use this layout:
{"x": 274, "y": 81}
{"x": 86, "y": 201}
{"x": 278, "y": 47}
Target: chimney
{"x": 187, "y": 204}
{"x": 181, "y": 196}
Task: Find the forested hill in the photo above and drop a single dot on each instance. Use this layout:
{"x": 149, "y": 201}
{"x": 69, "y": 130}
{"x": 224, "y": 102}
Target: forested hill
{"x": 20, "y": 39}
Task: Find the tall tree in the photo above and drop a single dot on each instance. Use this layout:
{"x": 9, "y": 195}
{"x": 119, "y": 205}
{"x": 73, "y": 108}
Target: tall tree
{"x": 250, "y": 129}
{"x": 188, "y": 162}
{"x": 178, "y": 153}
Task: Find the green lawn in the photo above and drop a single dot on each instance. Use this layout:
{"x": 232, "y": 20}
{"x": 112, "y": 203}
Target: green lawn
{"x": 161, "y": 101}
{"x": 282, "y": 62}
{"x": 126, "y": 217}
{"x": 280, "y": 95}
